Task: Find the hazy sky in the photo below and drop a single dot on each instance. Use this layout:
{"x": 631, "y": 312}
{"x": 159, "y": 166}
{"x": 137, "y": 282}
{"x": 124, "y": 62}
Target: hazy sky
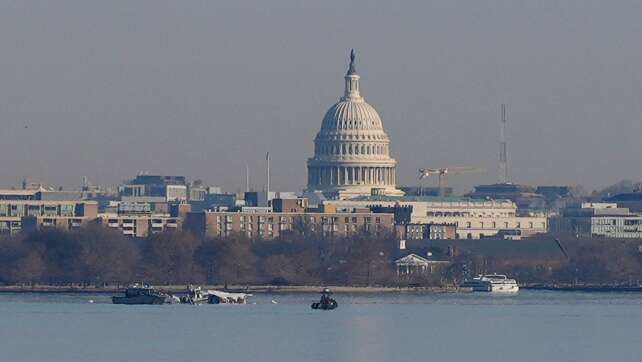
{"x": 105, "y": 89}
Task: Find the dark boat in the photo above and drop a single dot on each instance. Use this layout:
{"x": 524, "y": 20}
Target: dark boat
{"x": 143, "y": 295}
{"x": 326, "y": 302}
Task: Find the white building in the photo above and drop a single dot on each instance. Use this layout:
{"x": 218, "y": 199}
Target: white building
{"x": 599, "y": 220}
{"x": 352, "y": 150}
{"x": 473, "y": 218}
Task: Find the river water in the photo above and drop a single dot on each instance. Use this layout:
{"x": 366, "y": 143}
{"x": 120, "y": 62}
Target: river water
{"x": 531, "y": 326}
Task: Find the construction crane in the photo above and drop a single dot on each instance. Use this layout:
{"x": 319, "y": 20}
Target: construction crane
{"x": 442, "y": 174}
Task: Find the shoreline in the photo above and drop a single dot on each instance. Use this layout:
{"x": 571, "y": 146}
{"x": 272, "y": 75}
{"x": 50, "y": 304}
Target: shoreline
{"x": 260, "y": 289}
{"x": 273, "y": 289}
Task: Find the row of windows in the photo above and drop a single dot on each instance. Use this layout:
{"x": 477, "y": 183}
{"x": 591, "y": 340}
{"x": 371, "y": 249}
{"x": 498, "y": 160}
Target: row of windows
{"x": 505, "y": 225}
{"x": 467, "y": 214}
{"x": 269, "y": 233}
{"x": 20, "y": 210}
{"x": 343, "y": 149}
{"x": 359, "y": 124}
{"x": 614, "y": 222}
{"x": 356, "y": 137}
{"x": 228, "y": 219}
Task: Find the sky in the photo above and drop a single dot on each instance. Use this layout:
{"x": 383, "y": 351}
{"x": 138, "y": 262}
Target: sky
{"x": 108, "y": 89}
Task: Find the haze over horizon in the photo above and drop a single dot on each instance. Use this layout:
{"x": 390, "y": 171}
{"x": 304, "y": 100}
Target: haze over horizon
{"x": 199, "y": 88}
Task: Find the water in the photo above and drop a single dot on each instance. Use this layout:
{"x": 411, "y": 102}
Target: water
{"x": 531, "y": 326}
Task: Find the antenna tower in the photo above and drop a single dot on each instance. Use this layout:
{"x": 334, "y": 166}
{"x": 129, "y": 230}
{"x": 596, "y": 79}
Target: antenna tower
{"x": 503, "y": 153}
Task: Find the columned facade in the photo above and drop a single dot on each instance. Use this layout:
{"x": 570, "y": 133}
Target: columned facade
{"x": 331, "y": 175}
{"x": 352, "y": 150}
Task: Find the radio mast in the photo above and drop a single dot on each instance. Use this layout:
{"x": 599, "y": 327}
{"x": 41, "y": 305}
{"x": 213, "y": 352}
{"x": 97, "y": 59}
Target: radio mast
{"x": 503, "y": 153}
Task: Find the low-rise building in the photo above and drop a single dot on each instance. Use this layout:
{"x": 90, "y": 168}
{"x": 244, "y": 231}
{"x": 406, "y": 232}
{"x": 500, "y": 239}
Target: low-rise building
{"x": 426, "y": 231}
{"x": 415, "y": 265}
{"x": 154, "y": 188}
{"x": 598, "y": 220}
{"x": 268, "y": 225}
{"x": 139, "y": 225}
{"x": 38, "y": 207}
{"x": 473, "y": 218}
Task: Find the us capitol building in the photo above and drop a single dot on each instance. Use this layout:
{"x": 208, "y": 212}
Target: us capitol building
{"x": 352, "y": 150}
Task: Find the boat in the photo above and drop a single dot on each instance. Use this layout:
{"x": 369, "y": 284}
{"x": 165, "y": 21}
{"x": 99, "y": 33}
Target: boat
{"x": 195, "y": 296}
{"x": 326, "y": 302}
{"x": 143, "y": 294}
{"x": 494, "y": 283}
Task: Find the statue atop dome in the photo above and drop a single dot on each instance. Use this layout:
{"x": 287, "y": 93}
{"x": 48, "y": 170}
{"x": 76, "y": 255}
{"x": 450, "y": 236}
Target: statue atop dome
{"x": 352, "y": 69}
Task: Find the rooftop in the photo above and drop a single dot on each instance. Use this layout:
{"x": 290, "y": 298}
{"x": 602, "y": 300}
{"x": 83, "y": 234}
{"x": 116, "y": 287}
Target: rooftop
{"x": 423, "y": 199}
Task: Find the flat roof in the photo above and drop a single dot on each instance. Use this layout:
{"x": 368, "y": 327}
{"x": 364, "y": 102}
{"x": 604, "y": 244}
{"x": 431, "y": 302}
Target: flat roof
{"x": 420, "y": 199}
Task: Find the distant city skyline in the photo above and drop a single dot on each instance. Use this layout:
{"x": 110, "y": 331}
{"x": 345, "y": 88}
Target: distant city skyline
{"x": 105, "y": 90}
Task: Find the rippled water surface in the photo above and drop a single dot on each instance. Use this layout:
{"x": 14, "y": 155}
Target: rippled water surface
{"x": 531, "y": 326}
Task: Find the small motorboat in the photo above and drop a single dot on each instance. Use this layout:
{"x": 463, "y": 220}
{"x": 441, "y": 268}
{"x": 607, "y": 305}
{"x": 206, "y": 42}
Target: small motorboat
{"x": 326, "y": 302}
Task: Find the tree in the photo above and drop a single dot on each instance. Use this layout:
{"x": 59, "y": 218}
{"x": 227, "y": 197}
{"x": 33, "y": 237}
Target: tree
{"x": 168, "y": 258}
{"x": 235, "y": 261}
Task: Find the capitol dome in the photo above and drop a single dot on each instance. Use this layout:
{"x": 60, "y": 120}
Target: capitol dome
{"x": 351, "y": 151}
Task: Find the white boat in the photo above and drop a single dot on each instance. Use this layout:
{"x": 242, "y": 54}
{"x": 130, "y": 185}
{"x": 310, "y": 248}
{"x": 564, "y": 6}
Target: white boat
{"x": 495, "y": 283}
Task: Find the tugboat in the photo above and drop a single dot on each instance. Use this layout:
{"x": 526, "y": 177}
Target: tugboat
{"x": 326, "y": 302}
{"x": 137, "y": 294}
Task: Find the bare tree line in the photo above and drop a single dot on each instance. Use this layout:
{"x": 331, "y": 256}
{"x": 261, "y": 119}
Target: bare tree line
{"x": 96, "y": 255}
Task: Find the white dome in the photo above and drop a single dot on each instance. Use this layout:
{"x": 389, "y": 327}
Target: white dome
{"x": 349, "y": 115}
{"x": 351, "y": 150}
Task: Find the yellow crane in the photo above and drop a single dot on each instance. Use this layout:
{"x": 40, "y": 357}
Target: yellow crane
{"x": 443, "y": 172}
